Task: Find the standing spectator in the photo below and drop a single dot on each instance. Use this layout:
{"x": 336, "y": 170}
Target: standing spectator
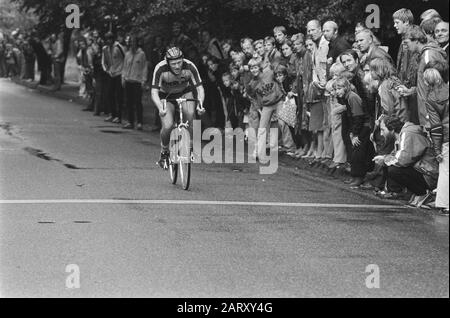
{"x": 289, "y": 58}
{"x": 304, "y": 67}
{"x": 112, "y": 61}
{"x": 438, "y": 113}
{"x": 272, "y": 54}
{"x": 429, "y": 14}
{"x": 340, "y": 155}
{"x": 213, "y": 99}
{"x": 57, "y": 54}
{"x": 286, "y": 84}
{"x": 280, "y": 35}
{"x": 407, "y": 61}
{"x": 211, "y": 45}
{"x": 441, "y": 34}
{"x": 43, "y": 59}
{"x": 269, "y": 96}
{"x": 412, "y": 164}
{"x": 362, "y": 152}
{"x": 134, "y": 77}
{"x": 2, "y": 58}
{"x": 248, "y": 49}
{"x": 100, "y": 76}
{"x": 19, "y": 48}
{"x": 182, "y": 41}
{"x": 416, "y": 41}
{"x": 311, "y": 97}
{"x": 85, "y": 58}
{"x": 261, "y": 51}
{"x": 227, "y": 45}
{"x": 318, "y": 122}
{"x": 389, "y": 98}
{"x": 367, "y": 47}
{"x": 350, "y": 60}
{"x": 428, "y": 27}
{"x": 337, "y": 44}
{"x": 12, "y": 63}
{"x": 30, "y": 61}
{"x": 156, "y": 56}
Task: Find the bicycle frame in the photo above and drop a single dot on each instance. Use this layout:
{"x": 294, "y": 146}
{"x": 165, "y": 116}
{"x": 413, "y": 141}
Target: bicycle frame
{"x": 181, "y": 124}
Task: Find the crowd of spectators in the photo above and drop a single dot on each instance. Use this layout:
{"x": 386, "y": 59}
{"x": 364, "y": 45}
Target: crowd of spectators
{"x": 342, "y": 105}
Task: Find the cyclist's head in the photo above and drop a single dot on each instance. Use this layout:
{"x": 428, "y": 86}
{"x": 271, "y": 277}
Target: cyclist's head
{"x": 175, "y": 58}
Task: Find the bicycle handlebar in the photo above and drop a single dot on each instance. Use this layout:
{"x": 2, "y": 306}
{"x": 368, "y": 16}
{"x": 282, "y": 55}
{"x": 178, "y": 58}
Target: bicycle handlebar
{"x": 183, "y": 100}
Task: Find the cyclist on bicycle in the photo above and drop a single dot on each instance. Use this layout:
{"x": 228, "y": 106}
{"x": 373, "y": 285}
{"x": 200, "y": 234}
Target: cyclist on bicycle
{"x": 175, "y": 77}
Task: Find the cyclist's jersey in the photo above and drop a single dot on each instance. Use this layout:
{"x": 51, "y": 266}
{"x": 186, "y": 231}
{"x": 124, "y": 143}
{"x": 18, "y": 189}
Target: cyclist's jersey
{"x": 170, "y": 84}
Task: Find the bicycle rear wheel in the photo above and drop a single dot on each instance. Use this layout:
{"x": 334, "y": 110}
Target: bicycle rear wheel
{"x": 185, "y": 158}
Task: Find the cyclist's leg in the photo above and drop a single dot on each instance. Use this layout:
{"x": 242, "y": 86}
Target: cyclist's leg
{"x": 167, "y": 126}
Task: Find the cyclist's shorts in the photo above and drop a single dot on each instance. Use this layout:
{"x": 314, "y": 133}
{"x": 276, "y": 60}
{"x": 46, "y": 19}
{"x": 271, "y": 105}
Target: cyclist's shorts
{"x": 163, "y": 95}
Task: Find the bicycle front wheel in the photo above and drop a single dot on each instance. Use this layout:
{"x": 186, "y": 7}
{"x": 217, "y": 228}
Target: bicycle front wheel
{"x": 185, "y": 158}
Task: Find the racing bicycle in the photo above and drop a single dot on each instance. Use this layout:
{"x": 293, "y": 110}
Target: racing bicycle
{"x": 181, "y": 156}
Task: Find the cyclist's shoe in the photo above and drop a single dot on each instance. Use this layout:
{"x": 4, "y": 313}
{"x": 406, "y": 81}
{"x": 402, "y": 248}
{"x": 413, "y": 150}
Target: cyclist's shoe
{"x": 164, "y": 160}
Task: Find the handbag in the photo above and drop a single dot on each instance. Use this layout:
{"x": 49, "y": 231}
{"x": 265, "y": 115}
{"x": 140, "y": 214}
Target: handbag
{"x": 428, "y": 166}
{"x": 287, "y": 112}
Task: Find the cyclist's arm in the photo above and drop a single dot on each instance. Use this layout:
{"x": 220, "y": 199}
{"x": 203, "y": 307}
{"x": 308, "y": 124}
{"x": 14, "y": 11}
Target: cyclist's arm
{"x": 201, "y": 94}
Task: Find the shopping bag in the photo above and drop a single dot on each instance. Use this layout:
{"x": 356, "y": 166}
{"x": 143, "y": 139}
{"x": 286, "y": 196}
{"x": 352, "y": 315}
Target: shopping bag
{"x": 287, "y": 112}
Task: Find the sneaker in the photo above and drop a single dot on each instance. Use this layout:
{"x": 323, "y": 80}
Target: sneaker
{"x": 421, "y": 200}
{"x": 291, "y": 154}
{"x": 110, "y": 119}
{"x": 357, "y": 182}
{"x": 116, "y": 120}
{"x": 366, "y": 186}
{"x": 164, "y": 160}
{"x": 411, "y": 200}
{"x": 348, "y": 181}
{"x": 390, "y": 195}
{"x": 444, "y": 212}
{"x": 128, "y": 126}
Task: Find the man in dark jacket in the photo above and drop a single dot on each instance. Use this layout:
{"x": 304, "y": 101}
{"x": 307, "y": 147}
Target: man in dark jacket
{"x": 337, "y": 45}
{"x": 366, "y": 45}
{"x": 416, "y": 41}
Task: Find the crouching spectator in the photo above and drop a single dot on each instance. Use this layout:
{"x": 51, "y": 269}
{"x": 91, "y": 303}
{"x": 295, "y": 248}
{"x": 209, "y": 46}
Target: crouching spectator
{"x": 413, "y": 163}
{"x": 437, "y": 109}
{"x": 134, "y": 77}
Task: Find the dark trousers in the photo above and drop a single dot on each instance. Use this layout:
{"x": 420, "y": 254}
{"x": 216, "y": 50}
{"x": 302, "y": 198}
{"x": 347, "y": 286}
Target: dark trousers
{"x": 115, "y": 97}
{"x": 362, "y": 155}
{"x": 100, "y": 93}
{"x": 345, "y": 133}
{"x": 46, "y": 74}
{"x": 409, "y": 178}
{"x": 57, "y": 74}
{"x": 133, "y": 92}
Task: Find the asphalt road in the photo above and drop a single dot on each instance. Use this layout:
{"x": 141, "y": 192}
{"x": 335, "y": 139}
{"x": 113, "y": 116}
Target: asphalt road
{"x": 75, "y": 190}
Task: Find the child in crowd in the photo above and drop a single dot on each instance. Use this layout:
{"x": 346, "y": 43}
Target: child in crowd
{"x": 340, "y": 154}
{"x": 232, "y": 99}
{"x": 286, "y": 84}
{"x": 268, "y": 96}
{"x": 362, "y": 149}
